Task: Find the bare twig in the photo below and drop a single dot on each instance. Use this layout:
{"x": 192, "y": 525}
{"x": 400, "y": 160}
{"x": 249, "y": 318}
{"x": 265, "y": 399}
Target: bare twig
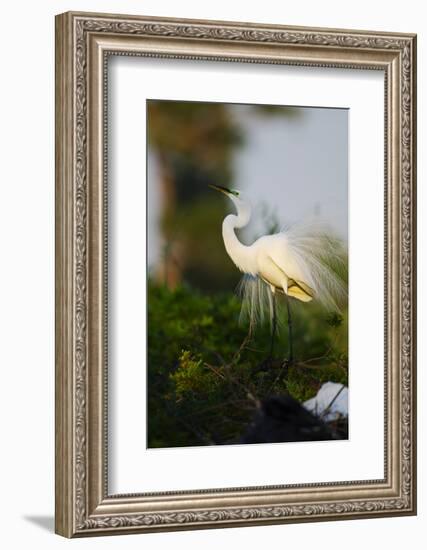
{"x": 230, "y": 378}
{"x": 243, "y": 345}
{"x": 237, "y": 402}
{"x": 283, "y": 368}
{"x": 325, "y": 355}
{"x": 332, "y": 402}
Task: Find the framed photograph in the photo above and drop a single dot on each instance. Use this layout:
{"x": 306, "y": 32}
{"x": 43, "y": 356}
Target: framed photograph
{"x": 235, "y": 274}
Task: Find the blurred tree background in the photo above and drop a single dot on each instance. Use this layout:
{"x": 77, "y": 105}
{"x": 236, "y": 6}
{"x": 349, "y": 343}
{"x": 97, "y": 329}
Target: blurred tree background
{"x": 205, "y": 375}
{"x": 193, "y": 143}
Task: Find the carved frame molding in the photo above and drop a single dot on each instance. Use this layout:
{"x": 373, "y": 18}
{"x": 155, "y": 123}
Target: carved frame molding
{"x": 83, "y": 43}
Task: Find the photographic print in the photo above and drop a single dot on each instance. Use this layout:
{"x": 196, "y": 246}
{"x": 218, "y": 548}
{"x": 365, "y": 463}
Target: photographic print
{"x": 235, "y": 274}
{"x": 247, "y": 286}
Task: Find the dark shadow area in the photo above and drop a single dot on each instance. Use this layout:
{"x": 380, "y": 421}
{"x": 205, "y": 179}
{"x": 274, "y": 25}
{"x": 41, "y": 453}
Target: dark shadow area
{"x": 44, "y": 522}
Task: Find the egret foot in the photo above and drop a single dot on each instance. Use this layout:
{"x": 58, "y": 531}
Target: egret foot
{"x": 284, "y": 368}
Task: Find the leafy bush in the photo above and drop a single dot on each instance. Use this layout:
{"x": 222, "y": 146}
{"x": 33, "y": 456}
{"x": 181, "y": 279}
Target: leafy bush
{"x": 206, "y": 374}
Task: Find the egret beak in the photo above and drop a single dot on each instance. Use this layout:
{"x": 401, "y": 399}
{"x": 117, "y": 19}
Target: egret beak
{"x": 221, "y": 189}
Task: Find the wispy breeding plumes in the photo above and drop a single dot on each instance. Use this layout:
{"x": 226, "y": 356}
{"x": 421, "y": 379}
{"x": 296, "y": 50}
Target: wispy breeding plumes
{"x": 302, "y": 262}
{"x": 321, "y": 260}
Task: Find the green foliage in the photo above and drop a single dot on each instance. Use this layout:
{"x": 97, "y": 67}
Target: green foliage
{"x": 205, "y": 374}
{"x": 191, "y": 377}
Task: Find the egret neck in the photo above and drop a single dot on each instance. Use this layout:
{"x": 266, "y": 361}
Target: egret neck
{"x": 238, "y": 252}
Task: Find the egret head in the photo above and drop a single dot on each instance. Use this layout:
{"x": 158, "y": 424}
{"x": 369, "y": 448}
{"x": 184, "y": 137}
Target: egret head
{"x": 242, "y": 205}
{"x": 229, "y": 192}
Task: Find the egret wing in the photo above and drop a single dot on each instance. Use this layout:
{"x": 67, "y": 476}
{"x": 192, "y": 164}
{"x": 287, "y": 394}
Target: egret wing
{"x": 299, "y": 290}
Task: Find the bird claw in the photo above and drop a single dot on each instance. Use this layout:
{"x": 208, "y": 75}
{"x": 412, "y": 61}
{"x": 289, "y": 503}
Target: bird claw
{"x": 284, "y": 367}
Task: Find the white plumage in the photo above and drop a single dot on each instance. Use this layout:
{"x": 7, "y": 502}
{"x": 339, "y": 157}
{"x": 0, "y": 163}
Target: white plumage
{"x": 302, "y": 262}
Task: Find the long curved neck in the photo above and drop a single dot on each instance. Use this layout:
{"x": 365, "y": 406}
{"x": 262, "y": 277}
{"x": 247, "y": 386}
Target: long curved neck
{"x": 238, "y": 252}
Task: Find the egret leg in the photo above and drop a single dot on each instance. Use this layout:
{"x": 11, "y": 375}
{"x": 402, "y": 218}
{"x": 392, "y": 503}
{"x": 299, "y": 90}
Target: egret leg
{"x": 291, "y": 351}
{"x": 273, "y": 323}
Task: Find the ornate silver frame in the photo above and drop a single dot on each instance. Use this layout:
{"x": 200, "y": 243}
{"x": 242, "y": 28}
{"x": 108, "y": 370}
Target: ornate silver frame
{"x": 83, "y": 505}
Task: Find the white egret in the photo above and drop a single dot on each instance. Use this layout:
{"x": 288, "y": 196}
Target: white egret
{"x": 296, "y": 262}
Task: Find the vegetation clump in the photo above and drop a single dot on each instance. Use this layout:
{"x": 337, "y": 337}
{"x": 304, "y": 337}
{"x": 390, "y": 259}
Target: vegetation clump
{"x": 207, "y": 375}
